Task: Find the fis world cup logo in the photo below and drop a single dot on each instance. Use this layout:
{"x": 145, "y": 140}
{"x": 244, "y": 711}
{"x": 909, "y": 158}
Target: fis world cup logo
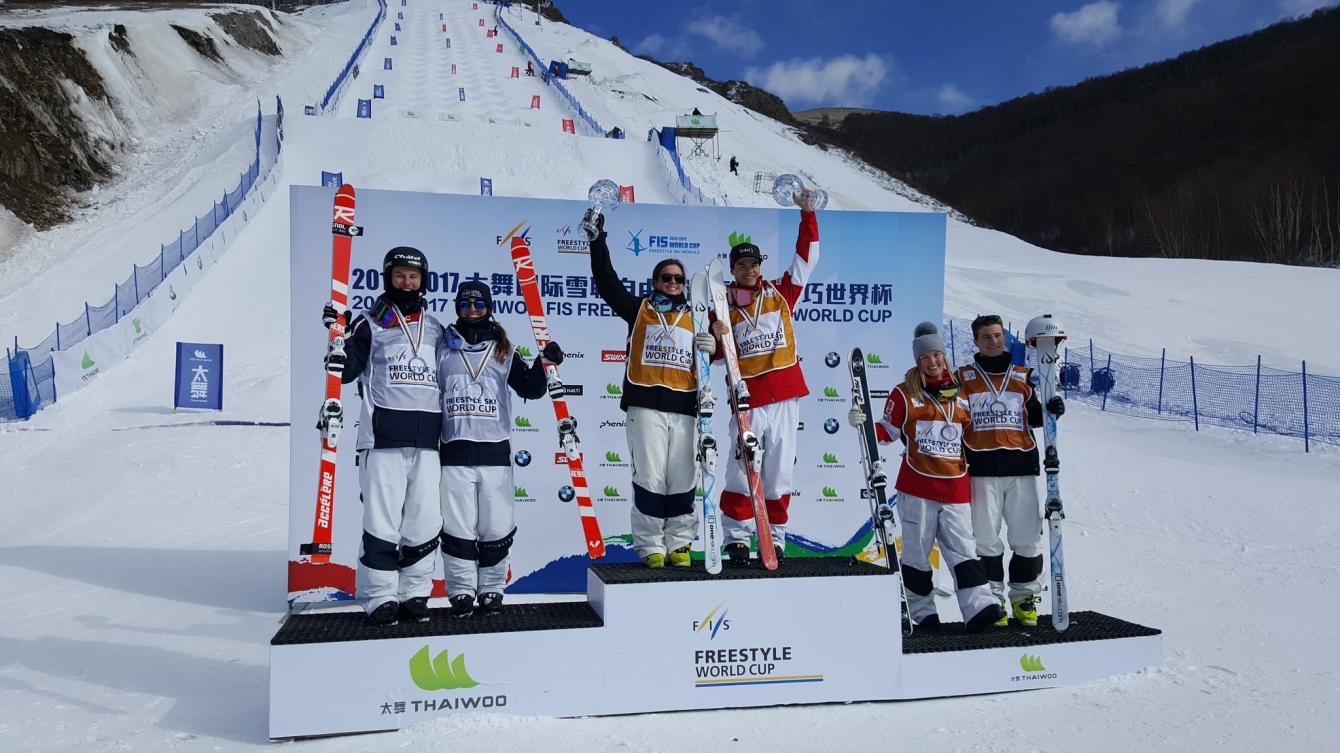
{"x": 440, "y": 673}
{"x": 635, "y": 243}
{"x": 713, "y": 622}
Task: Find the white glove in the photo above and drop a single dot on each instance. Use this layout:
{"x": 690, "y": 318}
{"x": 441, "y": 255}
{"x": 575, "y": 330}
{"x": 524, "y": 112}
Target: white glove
{"x": 856, "y": 417}
{"x": 705, "y": 342}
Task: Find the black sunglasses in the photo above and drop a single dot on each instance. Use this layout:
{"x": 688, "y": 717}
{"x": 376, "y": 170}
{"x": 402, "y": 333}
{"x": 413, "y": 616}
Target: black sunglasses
{"x": 667, "y": 277}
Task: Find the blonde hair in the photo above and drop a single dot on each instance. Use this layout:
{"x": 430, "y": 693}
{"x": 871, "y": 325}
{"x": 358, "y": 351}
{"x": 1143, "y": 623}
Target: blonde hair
{"x": 914, "y": 384}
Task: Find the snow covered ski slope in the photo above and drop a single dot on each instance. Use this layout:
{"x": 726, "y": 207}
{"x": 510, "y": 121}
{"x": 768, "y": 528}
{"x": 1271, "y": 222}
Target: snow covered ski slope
{"x": 142, "y": 552}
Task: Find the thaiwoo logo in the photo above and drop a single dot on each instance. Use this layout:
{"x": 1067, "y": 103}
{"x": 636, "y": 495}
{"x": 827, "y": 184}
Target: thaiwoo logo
{"x": 831, "y": 426}
{"x": 713, "y": 622}
{"x": 831, "y": 495}
{"x": 521, "y": 495}
{"x": 613, "y": 460}
{"x": 523, "y": 424}
{"x": 566, "y": 493}
{"x": 830, "y": 460}
{"x": 613, "y": 356}
{"x": 611, "y": 493}
{"x": 612, "y": 391}
{"x": 521, "y": 458}
{"x": 200, "y": 355}
{"x": 524, "y": 352}
{"x": 832, "y": 360}
{"x": 1034, "y": 670}
{"x": 874, "y": 361}
{"x": 832, "y": 395}
{"x": 440, "y": 673}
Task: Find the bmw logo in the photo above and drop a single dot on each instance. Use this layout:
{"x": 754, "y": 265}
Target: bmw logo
{"x": 832, "y": 360}
{"x": 566, "y": 493}
{"x": 522, "y": 459}
{"x": 831, "y": 426}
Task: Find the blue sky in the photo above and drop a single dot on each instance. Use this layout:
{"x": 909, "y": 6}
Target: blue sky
{"x": 936, "y": 56}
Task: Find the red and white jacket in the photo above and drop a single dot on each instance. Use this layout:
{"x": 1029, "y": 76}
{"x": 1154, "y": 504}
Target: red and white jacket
{"x": 933, "y": 465}
{"x": 776, "y": 373}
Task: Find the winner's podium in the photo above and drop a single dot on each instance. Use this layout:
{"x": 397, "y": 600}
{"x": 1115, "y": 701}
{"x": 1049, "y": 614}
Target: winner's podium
{"x": 817, "y": 630}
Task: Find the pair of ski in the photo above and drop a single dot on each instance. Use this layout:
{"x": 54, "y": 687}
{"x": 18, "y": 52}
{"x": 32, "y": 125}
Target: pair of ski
{"x": 707, "y": 292}
{"x": 331, "y": 420}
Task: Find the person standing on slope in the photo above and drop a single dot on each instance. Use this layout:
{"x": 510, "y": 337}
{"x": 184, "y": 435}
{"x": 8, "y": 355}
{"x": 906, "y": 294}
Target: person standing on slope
{"x": 1003, "y": 467}
{"x": 392, "y": 350}
{"x": 660, "y": 398}
{"x": 929, "y": 415}
{"x": 476, "y": 366}
{"x": 765, "y": 340}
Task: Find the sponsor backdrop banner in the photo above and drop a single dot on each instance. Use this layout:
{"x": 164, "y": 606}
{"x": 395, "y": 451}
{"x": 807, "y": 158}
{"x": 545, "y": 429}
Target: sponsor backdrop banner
{"x": 879, "y": 273}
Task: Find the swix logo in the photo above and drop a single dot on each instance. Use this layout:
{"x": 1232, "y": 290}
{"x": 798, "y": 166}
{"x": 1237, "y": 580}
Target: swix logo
{"x": 613, "y": 356}
{"x": 560, "y": 458}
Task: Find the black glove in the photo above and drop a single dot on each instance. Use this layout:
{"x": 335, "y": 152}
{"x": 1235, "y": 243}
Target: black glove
{"x": 329, "y": 314}
{"x": 593, "y": 224}
{"x": 552, "y": 353}
{"x": 1056, "y": 406}
{"x": 335, "y": 362}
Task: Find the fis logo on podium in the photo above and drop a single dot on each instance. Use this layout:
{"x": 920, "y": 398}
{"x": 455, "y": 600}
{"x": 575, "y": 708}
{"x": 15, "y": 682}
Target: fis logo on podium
{"x": 713, "y": 622}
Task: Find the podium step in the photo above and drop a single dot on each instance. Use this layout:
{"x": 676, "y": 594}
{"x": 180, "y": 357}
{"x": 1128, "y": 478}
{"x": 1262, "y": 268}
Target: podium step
{"x": 335, "y": 627}
{"x": 1084, "y": 626}
{"x": 629, "y": 573}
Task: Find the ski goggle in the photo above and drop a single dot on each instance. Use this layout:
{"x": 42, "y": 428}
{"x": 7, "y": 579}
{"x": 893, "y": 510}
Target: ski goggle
{"x": 667, "y": 277}
{"x": 478, "y": 304}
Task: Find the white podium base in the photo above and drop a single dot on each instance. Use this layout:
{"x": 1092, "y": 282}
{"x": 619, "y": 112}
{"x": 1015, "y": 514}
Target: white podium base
{"x": 817, "y": 630}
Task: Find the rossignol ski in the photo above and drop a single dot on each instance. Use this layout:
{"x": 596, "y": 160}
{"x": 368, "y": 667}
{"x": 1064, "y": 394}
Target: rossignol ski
{"x": 1044, "y": 333}
{"x": 331, "y": 420}
{"x": 748, "y": 451}
{"x": 700, "y": 298}
{"x": 876, "y": 480}
{"x": 567, "y": 425}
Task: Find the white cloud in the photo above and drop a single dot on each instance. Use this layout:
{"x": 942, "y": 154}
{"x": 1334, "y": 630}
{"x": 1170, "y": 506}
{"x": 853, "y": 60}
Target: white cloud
{"x": 1093, "y": 24}
{"x": 847, "y": 80}
{"x": 1295, "y": 8}
{"x": 1171, "y": 14}
{"x": 652, "y": 45}
{"x": 954, "y": 99}
{"x": 727, "y": 34}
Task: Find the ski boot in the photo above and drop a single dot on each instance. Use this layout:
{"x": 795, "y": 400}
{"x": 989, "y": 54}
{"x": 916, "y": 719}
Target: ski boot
{"x": 1004, "y": 620}
{"x": 985, "y": 618}
{"x": 386, "y": 615}
{"x": 1026, "y": 611}
{"x": 490, "y": 602}
{"x": 414, "y": 610}
{"x": 930, "y": 623}
{"x": 738, "y": 554}
{"x": 462, "y": 605}
{"x": 781, "y": 552}
{"x": 680, "y": 557}
{"x": 654, "y": 560}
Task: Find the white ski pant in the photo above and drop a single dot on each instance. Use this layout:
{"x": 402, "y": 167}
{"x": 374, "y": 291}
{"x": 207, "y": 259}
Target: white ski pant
{"x": 401, "y": 521}
{"x": 662, "y": 452}
{"x": 924, "y": 523}
{"x": 1014, "y": 500}
{"x": 775, "y": 425}
{"x": 478, "y": 525}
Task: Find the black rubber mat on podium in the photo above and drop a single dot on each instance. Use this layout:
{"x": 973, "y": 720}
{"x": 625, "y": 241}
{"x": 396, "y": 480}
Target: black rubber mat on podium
{"x": 332, "y": 627}
{"x": 1084, "y": 626}
{"x": 797, "y": 567}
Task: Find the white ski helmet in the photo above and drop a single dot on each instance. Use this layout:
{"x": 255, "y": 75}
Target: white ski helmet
{"x": 1044, "y": 326}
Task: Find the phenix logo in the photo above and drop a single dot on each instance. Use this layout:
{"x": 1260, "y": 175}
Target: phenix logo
{"x": 439, "y": 673}
{"x": 1030, "y": 663}
{"x": 713, "y": 621}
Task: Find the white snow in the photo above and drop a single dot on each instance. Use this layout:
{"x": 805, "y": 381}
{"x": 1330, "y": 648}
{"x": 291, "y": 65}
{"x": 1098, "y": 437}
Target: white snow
{"x": 142, "y": 556}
